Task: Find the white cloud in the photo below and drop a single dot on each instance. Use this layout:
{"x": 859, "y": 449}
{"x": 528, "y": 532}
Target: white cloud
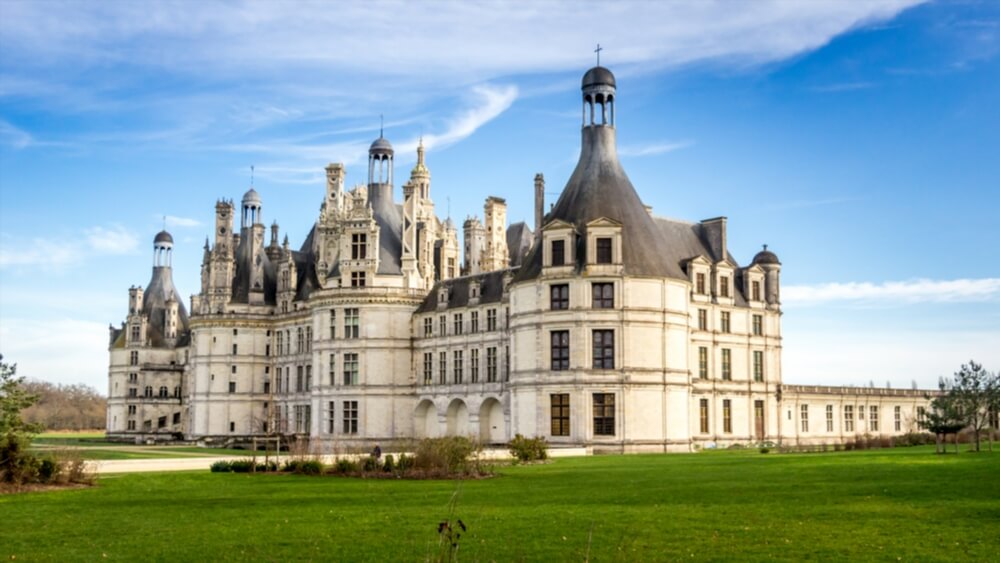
{"x": 114, "y": 240}
{"x": 58, "y": 253}
{"x": 13, "y": 136}
{"x": 653, "y": 149}
{"x": 63, "y": 350}
{"x": 174, "y": 221}
{"x": 911, "y": 291}
{"x": 492, "y": 101}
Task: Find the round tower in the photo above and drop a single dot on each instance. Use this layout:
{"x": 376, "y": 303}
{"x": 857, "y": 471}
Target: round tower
{"x": 598, "y": 92}
{"x": 768, "y": 261}
{"x": 252, "y": 209}
{"x": 380, "y": 156}
{"x": 163, "y": 245}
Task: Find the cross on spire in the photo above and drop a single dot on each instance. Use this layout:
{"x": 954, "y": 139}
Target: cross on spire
{"x": 251, "y": 175}
{"x": 598, "y": 51}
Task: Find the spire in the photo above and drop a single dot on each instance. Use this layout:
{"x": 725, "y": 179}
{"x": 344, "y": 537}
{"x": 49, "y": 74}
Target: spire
{"x": 598, "y": 51}
{"x": 420, "y": 169}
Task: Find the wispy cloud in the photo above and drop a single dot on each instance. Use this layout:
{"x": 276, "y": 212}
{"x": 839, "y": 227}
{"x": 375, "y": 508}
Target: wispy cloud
{"x": 58, "y": 253}
{"x": 653, "y": 149}
{"x": 843, "y": 87}
{"x": 491, "y": 101}
{"x": 895, "y": 292}
{"x": 174, "y": 221}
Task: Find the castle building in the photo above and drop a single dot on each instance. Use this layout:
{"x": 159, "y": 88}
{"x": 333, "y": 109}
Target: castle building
{"x": 605, "y": 326}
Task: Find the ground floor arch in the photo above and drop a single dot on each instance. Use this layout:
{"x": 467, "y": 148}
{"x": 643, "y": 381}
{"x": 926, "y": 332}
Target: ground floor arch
{"x": 425, "y": 419}
{"x": 492, "y": 429}
{"x": 458, "y": 418}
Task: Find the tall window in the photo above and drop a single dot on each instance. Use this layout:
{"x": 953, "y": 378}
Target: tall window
{"x": 299, "y": 380}
{"x": 443, "y": 325}
{"x": 725, "y": 322}
{"x": 350, "y": 417}
{"x": 703, "y": 362}
{"x": 560, "y": 350}
{"x": 148, "y": 392}
{"x": 330, "y": 418}
{"x": 491, "y": 319}
{"x": 474, "y": 322}
{"x": 474, "y": 365}
{"x": 333, "y": 324}
{"x": 604, "y": 414}
{"x": 300, "y": 343}
{"x": 506, "y": 363}
{"x": 133, "y": 392}
{"x": 443, "y": 367}
{"x": 350, "y": 368}
{"x": 359, "y": 246}
{"x": 604, "y": 349}
{"x": 491, "y": 364}
{"x": 558, "y": 252}
{"x": 723, "y": 286}
{"x": 428, "y": 368}
{"x": 133, "y": 358}
{"x": 603, "y": 250}
{"x": 357, "y": 279}
{"x": 829, "y": 418}
{"x": 758, "y": 365}
{"x": 758, "y": 325}
{"x": 921, "y": 416}
{"x": 164, "y": 392}
{"x": 727, "y": 364}
{"x": 873, "y": 418}
{"x": 309, "y": 338}
{"x": 804, "y": 416}
{"x": 699, "y": 283}
{"x": 604, "y": 295}
{"x": 727, "y": 416}
{"x": 333, "y": 369}
{"x": 560, "y": 414}
{"x": 848, "y": 418}
{"x": 457, "y": 328}
{"x": 559, "y": 296}
{"x": 755, "y": 291}
{"x": 703, "y": 415}
{"x": 897, "y": 416}
{"x": 235, "y": 349}
{"x": 309, "y": 377}
{"x": 428, "y": 326}
{"x": 281, "y": 343}
{"x": 457, "y": 366}
{"x": 702, "y": 319}
{"x": 135, "y": 333}
{"x": 351, "y": 323}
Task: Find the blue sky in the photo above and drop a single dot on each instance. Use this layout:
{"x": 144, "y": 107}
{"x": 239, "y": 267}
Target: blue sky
{"x": 859, "y": 140}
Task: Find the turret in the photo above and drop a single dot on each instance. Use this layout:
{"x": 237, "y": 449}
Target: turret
{"x": 223, "y": 223}
{"x": 474, "y": 235}
{"x": 495, "y": 256}
{"x": 163, "y": 244}
{"x": 769, "y": 262}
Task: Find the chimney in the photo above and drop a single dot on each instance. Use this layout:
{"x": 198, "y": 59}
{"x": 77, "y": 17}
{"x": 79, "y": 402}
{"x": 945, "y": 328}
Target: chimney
{"x": 539, "y": 203}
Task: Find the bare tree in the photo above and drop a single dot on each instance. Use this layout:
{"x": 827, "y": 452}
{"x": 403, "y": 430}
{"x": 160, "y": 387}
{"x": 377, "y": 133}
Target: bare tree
{"x": 972, "y": 393}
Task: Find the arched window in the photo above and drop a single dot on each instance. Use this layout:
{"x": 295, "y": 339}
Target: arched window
{"x": 177, "y": 392}
{"x": 163, "y": 393}
{"x": 148, "y": 392}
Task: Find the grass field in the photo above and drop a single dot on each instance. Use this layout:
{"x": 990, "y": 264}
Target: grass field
{"x": 903, "y": 504}
{"x": 93, "y": 446}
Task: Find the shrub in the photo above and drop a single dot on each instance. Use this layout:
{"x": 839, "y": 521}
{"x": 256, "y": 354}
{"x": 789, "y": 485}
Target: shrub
{"x": 303, "y": 466}
{"x": 765, "y": 450}
{"x": 346, "y": 466}
{"x": 48, "y": 470}
{"x": 449, "y": 455}
{"x": 389, "y": 464}
{"x": 242, "y": 466}
{"x": 221, "y": 466}
{"x": 405, "y": 463}
{"x": 528, "y": 449}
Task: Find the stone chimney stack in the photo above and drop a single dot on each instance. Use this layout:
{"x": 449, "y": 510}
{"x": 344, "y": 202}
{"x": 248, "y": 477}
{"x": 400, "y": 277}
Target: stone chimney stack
{"x": 539, "y": 203}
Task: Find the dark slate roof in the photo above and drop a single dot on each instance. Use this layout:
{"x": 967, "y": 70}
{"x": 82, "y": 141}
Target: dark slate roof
{"x": 163, "y": 236}
{"x": 598, "y": 76}
{"x": 490, "y": 290}
{"x": 244, "y": 261}
{"x": 686, "y": 241}
{"x": 766, "y": 257}
{"x": 381, "y": 145}
{"x": 389, "y": 217}
{"x": 519, "y": 241}
{"x": 599, "y": 188}
{"x": 154, "y": 306}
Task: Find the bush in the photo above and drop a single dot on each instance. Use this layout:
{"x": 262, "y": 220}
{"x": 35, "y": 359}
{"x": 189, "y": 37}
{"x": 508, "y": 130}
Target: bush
{"x": 221, "y": 466}
{"x": 448, "y": 455}
{"x": 765, "y": 450}
{"x": 303, "y": 466}
{"x": 369, "y": 464}
{"x": 48, "y": 470}
{"x": 405, "y": 463}
{"x": 389, "y": 464}
{"x": 346, "y": 466}
{"x": 528, "y": 449}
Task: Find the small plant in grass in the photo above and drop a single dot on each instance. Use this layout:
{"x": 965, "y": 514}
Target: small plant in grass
{"x": 528, "y": 449}
{"x": 765, "y": 450}
{"x": 346, "y": 466}
{"x": 390, "y": 464}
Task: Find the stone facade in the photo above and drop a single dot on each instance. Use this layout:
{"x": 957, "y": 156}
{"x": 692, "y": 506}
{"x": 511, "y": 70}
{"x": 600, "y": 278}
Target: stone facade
{"x": 606, "y": 327}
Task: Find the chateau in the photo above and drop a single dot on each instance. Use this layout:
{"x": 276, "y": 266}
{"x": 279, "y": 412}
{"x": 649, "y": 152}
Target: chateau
{"x": 602, "y": 325}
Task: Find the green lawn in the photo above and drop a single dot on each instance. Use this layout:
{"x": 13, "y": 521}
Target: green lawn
{"x": 902, "y": 504}
{"x": 92, "y": 445}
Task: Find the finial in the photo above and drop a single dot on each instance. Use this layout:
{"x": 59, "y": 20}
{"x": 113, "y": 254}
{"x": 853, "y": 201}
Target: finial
{"x": 449, "y": 206}
{"x": 164, "y": 222}
{"x": 381, "y": 125}
{"x": 251, "y": 175}
{"x": 598, "y": 51}
{"x": 765, "y": 247}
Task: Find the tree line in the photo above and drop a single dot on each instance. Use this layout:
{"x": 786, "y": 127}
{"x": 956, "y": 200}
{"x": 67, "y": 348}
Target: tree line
{"x": 65, "y": 407}
{"x": 969, "y": 401}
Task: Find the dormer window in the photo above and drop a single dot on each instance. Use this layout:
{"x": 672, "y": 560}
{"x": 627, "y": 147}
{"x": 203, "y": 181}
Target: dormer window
{"x": 558, "y": 252}
{"x": 755, "y": 291}
{"x": 358, "y": 278}
{"x": 359, "y": 246}
{"x": 700, "y": 284}
{"x": 603, "y": 250}
{"x": 723, "y": 286}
